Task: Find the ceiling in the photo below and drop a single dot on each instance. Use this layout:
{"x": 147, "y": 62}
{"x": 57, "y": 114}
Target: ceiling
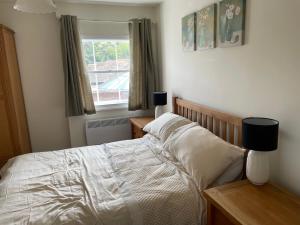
{"x": 110, "y": 2}
{"x": 135, "y": 2}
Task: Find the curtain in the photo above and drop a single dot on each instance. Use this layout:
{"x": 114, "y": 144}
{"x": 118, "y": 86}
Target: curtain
{"x": 143, "y": 70}
{"x": 78, "y": 94}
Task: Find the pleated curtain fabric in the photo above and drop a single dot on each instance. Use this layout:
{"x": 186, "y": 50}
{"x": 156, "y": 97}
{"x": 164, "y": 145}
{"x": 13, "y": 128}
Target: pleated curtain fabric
{"x": 143, "y": 70}
{"x": 78, "y": 94}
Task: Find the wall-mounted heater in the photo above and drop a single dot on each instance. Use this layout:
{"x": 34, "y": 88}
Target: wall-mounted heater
{"x": 108, "y": 130}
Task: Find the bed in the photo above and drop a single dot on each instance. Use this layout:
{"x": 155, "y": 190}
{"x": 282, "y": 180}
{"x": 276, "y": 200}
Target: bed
{"x": 122, "y": 183}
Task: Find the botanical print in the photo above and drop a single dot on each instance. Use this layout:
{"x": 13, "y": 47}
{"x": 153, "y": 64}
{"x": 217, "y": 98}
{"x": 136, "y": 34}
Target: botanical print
{"x": 206, "y": 28}
{"x": 188, "y": 32}
{"x": 232, "y": 21}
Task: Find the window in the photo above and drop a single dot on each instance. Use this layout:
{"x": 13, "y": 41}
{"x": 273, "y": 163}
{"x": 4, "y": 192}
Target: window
{"x": 108, "y": 68}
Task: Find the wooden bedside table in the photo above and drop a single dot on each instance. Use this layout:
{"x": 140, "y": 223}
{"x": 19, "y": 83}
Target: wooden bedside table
{"x": 137, "y": 126}
{"x": 242, "y": 203}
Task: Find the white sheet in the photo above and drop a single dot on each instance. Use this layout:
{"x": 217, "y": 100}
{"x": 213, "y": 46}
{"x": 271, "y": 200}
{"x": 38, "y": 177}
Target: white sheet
{"x": 121, "y": 183}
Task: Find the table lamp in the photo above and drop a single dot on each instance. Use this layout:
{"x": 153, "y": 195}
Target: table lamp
{"x": 159, "y": 100}
{"x": 260, "y": 136}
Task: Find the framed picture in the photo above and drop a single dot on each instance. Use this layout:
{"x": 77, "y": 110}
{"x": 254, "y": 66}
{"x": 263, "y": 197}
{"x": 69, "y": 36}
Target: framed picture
{"x": 206, "y": 27}
{"x": 189, "y": 32}
{"x": 232, "y": 23}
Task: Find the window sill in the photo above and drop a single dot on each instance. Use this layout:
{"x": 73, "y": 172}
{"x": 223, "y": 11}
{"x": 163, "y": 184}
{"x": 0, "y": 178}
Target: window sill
{"x": 111, "y": 107}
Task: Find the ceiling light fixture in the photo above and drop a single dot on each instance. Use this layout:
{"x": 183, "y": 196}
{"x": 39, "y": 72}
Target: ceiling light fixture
{"x": 35, "y": 6}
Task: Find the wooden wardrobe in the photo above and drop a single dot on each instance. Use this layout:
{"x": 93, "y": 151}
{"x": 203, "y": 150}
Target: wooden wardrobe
{"x": 14, "y": 136}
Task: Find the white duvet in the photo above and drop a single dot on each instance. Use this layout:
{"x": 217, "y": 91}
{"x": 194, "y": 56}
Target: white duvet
{"x": 121, "y": 183}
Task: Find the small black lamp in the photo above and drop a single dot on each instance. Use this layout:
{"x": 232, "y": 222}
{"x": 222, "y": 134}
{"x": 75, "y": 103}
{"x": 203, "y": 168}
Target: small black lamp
{"x": 159, "y": 100}
{"x": 260, "y": 135}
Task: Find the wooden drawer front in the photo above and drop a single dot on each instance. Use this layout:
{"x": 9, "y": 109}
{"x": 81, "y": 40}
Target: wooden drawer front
{"x": 1, "y": 90}
{"x": 2, "y": 68}
{"x": 137, "y": 133}
{"x": 6, "y": 141}
{"x": 216, "y": 217}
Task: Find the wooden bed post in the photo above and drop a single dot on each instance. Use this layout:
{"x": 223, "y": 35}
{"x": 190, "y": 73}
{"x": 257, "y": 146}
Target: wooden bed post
{"x": 174, "y": 103}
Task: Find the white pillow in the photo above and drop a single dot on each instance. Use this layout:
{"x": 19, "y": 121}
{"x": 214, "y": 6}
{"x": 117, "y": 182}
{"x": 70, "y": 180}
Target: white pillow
{"x": 233, "y": 173}
{"x": 204, "y": 155}
{"x": 164, "y": 125}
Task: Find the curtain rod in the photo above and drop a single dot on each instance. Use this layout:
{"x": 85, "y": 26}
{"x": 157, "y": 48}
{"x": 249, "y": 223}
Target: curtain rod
{"x": 105, "y": 21}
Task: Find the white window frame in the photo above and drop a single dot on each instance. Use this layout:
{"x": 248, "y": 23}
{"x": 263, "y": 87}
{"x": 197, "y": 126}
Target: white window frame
{"x": 111, "y": 106}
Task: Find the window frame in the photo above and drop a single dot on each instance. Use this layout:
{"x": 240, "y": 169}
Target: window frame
{"x": 111, "y": 106}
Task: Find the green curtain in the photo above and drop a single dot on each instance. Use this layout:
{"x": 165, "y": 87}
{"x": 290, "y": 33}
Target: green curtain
{"x": 78, "y": 94}
{"x": 143, "y": 71}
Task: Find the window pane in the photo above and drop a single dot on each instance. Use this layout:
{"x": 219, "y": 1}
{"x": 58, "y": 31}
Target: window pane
{"x": 88, "y": 52}
{"x": 108, "y": 66}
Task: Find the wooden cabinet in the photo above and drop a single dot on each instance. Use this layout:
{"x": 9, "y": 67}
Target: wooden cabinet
{"x": 242, "y": 203}
{"x": 137, "y": 126}
{"x": 14, "y": 136}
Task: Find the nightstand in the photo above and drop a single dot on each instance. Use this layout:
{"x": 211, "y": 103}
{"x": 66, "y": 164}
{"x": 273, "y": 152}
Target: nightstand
{"x": 242, "y": 203}
{"x": 137, "y": 126}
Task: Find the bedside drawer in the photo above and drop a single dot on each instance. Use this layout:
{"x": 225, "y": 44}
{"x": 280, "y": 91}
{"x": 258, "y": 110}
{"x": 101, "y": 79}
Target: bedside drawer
{"x": 137, "y": 132}
{"x": 216, "y": 217}
{"x": 241, "y": 203}
{"x": 137, "y": 126}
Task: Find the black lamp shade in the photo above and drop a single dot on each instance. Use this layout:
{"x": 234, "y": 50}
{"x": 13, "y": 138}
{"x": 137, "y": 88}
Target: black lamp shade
{"x": 159, "y": 98}
{"x": 260, "y": 134}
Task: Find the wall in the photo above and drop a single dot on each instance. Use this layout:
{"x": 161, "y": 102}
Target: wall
{"x": 103, "y": 12}
{"x": 39, "y": 54}
{"x": 258, "y": 79}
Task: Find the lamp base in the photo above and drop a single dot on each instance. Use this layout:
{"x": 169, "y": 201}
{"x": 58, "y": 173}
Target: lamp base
{"x": 258, "y": 168}
{"x": 159, "y": 110}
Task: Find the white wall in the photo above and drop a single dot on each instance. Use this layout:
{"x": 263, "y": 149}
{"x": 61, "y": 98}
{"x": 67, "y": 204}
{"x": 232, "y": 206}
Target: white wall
{"x": 39, "y": 54}
{"x": 103, "y": 12}
{"x": 259, "y": 79}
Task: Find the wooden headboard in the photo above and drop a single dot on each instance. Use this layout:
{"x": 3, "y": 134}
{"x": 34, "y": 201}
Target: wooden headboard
{"x": 224, "y": 125}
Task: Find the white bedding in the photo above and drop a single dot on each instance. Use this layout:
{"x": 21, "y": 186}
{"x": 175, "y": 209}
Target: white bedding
{"x": 121, "y": 183}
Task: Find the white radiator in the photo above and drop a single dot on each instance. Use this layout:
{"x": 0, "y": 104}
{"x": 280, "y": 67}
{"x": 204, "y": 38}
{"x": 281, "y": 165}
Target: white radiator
{"x": 105, "y": 131}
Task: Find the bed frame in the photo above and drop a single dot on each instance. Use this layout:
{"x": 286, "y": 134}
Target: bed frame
{"x": 224, "y": 125}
